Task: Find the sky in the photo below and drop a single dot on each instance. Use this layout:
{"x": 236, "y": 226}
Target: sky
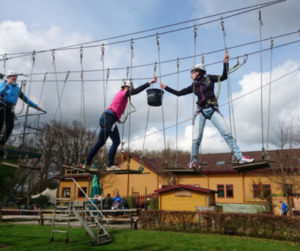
{"x": 46, "y": 25}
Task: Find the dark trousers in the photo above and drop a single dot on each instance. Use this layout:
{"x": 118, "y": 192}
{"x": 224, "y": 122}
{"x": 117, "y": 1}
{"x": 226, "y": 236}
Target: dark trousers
{"x": 9, "y": 122}
{"x": 103, "y": 135}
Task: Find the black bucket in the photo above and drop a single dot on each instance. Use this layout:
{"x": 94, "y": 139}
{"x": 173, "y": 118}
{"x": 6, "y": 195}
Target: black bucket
{"x": 155, "y": 97}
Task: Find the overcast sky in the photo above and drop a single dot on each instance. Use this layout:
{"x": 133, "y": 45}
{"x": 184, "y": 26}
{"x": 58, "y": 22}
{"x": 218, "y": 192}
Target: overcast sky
{"x": 45, "y": 25}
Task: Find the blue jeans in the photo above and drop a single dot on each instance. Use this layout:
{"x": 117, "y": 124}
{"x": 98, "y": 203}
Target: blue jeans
{"x": 108, "y": 132}
{"x": 219, "y": 122}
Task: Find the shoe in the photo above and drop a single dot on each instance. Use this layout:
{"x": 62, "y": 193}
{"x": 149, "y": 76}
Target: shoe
{"x": 85, "y": 166}
{"x": 112, "y": 168}
{"x": 245, "y": 160}
{"x": 192, "y": 164}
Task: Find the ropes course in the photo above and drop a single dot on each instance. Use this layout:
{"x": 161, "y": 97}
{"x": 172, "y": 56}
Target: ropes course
{"x": 82, "y": 143}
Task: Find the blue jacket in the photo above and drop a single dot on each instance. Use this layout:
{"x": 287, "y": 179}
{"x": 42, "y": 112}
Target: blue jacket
{"x": 11, "y": 94}
{"x": 117, "y": 198}
{"x": 284, "y": 208}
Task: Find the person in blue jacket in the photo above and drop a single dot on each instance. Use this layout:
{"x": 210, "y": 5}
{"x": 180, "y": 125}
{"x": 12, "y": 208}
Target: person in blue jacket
{"x": 284, "y": 208}
{"x": 117, "y": 198}
{"x": 9, "y": 94}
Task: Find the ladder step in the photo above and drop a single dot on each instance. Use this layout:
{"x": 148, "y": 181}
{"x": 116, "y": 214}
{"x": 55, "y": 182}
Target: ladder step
{"x": 61, "y": 215}
{"x": 60, "y": 223}
{"x": 59, "y": 231}
{"x": 62, "y": 207}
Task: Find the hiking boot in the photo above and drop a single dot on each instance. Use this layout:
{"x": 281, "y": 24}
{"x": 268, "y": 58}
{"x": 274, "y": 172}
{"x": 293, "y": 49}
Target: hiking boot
{"x": 192, "y": 164}
{"x": 245, "y": 160}
{"x": 112, "y": 168}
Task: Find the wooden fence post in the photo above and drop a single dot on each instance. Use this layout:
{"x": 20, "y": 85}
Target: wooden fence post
{"x": 41, "y": 219}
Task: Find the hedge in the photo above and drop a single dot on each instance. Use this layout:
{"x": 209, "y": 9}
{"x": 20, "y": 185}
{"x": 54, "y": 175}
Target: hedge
{"x": 251, "y": 225}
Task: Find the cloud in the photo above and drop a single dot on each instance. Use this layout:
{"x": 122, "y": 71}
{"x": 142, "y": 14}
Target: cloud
{"x": 277, "y": 19}
{"x": 15, "y": 37}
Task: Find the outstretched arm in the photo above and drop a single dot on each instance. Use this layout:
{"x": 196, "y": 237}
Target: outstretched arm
{"x": 28, "y": 101}
{"x": 141, "y": 88}
{"x": 182, "y": 92}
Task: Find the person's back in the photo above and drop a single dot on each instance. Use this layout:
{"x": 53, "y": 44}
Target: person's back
{"x": 107, "y": 202}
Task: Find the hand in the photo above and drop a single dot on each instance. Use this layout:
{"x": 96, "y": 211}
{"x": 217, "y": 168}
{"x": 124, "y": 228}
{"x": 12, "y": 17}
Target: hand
{"x": 154, "y": 80}
{"x": 8, "y": 81}
{"x": 226, "y": 57}
{"x": 39, "y": 108}
{"x": 162, "y": 85}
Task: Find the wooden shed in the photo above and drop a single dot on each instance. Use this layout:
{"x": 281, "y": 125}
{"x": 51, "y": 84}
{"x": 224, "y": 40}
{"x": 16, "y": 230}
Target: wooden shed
{"x": 185, "y": 198}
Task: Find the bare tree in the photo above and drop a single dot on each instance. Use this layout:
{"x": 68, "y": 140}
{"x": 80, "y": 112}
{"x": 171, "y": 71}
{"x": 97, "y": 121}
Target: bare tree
{"x": 285, "y": 173}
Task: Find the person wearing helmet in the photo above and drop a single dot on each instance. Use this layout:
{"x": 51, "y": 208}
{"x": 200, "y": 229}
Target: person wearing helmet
{"x": 9, "y": 94}
{"x": 110, "y": 117}
{"x": 207, "y": 108}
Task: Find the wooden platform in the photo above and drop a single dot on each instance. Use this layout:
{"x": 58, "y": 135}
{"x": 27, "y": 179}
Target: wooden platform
{"x": 15, "y": 153}
{"x": 96, "y": 171}
{"x": 182, "y": 171}
{"x": 5, "y": 163}
{"x": 256, "y": 165}
{"x": 124, "y": 171}
{"x": 86, "y": 170}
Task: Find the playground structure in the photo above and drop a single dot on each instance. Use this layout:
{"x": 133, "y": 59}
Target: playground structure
{"x": 91, "y": 223}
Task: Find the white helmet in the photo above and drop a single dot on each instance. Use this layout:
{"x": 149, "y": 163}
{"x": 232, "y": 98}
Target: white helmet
{"x": 127, "y": 83}
{"x": 199, "y": 67}
{"x": 11, "y": 73}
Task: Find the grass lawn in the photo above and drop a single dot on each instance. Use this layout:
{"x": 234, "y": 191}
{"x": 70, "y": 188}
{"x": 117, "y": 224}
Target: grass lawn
{"x": 26, "y": 237}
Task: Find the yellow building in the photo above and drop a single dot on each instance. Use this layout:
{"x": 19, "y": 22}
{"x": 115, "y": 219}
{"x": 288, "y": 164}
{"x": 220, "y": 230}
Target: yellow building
{"x": 232, "y": 187}
{"x": 185, "y": 198}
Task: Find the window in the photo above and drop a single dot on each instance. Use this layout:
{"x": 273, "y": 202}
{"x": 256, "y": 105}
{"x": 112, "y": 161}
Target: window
{"x": 66, "y": 193}
{"x": 220, "y": 163}
{"x": 74, "y": 171}
{"x": 256, "y": 191}
{"x": 68, "y": 171}
{"x": 80, "y": 193}
{"x": 266, "y": 191}
{"x": 229, "y": 191}
{"x": 220, "y": 189}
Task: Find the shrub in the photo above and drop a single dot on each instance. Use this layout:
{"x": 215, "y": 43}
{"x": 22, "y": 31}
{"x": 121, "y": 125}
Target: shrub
{"x": 130, "y": 201}
{"x": 252, "y": 225}
{"x": 154, "y": 203}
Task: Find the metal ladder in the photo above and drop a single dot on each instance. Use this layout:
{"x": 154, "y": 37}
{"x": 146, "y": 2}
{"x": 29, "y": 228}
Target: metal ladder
{"x": 58, "y": 201}
{"x": 92, "y": 225}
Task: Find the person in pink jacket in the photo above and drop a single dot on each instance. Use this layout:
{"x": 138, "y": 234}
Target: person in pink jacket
{"x": 110, "y": 117}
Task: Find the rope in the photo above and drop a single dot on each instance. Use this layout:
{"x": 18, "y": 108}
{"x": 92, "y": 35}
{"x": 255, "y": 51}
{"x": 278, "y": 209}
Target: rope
{"x": 269, "y": 107}
{"x": 177, "y": 113}
{"x": 251, "y": 8}
{"x": 233, "y": 69}
{"x": 183, "y": 58}
{"x": 4, "y": 114}
{"x": 104, "y": 101}
{"x": 261, "y": 90}
{"x": 129, "y": 105}
{"x": 28, "y": 96}
{"x": 194, "y": 83}
{"x": 228, "y": 90}
{"x": 141, "y": 161}
{"x": 161, "y": 91}
{"x": 58, "y": 98}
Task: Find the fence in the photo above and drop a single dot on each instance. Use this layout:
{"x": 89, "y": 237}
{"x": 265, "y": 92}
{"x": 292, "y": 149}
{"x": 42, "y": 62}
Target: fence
{"x": 140, "y": 200}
